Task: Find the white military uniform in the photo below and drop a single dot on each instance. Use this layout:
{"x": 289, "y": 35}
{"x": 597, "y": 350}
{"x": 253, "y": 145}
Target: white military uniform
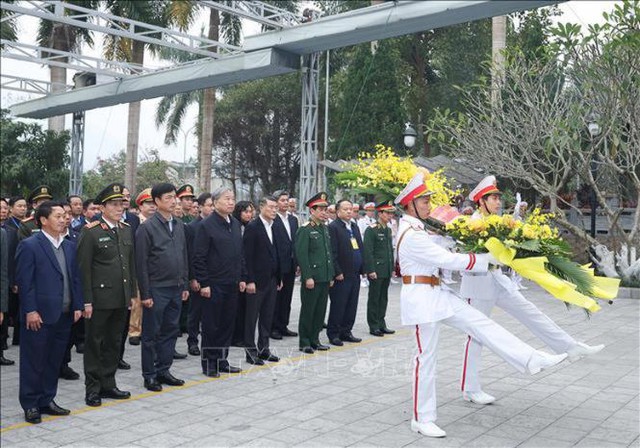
{"x": 426, "y": 306}
{"x": 483, "y": 291}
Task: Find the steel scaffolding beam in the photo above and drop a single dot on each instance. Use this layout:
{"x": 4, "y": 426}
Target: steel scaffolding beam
{"x": 77, "y": 153}
{"x": 27, "y": 85}
{"x": 259, "y": 12}
{"x": 309, "y": 129}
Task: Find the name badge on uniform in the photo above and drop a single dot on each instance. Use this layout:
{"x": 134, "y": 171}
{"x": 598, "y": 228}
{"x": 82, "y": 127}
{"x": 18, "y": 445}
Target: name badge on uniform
{"x": 102, "y": 239}
{"x": 354, "y": 243}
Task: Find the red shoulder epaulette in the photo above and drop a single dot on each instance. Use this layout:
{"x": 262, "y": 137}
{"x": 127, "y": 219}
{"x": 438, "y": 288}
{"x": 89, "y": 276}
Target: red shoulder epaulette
{"x": 92, "y": 224}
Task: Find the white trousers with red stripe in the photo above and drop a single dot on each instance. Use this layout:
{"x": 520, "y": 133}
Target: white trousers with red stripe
{"x": 471, "y": 321}
{"x": 526, "y": 312}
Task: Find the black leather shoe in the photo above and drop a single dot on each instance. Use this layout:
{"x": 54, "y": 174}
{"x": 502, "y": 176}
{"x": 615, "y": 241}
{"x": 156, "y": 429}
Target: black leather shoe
{"x": 134, "y": 340}
{"x": 289, "y": 333}
{"x": 212, "y": 374}
{"x": 386, "y": 330}
{"x": 351, "y": 338}
{"x": 177, "y": 355}
{"x": 229, "y": 369}
{"x": 322, "y": 348}
{"x": 67, "y": 373}
{"x": 54, "y": 409}
{"x": 80, "y": 347}
{"x": 115, "y": 393}
{"x": 276, "y": 335}
{"x": 307, "y": 350}
{"x": 337, "y": 341}
{"x": 93, "y": 399}
{"x": 378, "y": 333}
{"x": 194, "y": 350}
{"x": 32, "y": 416}
{"x": 153, "y": 385}
{"x": 269, "y": 357}
{"x": 6, "y": 362}
{"x": 169, "y": 380}
{"x": 255, "y": 360}
{"x": 124, "y": 365}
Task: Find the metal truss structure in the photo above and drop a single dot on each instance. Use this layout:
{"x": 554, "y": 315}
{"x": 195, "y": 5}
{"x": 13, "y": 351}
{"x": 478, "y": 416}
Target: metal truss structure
{"x": 77, "y": 153}
{"x": 278, "y": 51}
{"x": 20, "y": 84}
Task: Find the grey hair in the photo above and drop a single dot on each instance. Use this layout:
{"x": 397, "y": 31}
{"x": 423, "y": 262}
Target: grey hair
{"x": 218, "y": 192}
{"x": 265, "y": 199}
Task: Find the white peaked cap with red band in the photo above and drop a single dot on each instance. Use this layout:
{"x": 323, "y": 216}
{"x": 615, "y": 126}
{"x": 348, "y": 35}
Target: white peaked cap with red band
{"x": 414, "y": 189}
{"x": 488, "y": 185}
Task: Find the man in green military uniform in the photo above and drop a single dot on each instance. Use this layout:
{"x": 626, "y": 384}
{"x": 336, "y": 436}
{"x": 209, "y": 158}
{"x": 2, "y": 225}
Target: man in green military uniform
{"x": 186, "y": 196}
{"x": 107, "y": 265}
{"x": 378, "y": 264}
{"x": 36, "y": 197}
{"x": 313, "y": 251}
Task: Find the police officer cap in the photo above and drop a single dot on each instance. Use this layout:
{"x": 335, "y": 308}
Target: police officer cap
{"x": 41, "y": 192}
{"x": 185, "y": 191}
{"x": 319, "y": 200}
{"x": 111, "y": 192}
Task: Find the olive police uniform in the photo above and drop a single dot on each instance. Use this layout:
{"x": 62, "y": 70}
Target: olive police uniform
{"x": 378, "y": 259}
{"x": 313, "y": 252}
{"x": 107, "y": 263}
{"x": 29, "y": 225}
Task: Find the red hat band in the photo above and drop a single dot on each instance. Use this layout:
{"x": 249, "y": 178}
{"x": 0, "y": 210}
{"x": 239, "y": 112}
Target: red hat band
{"x": 486, "y": 190}
{"x": 419, "y": 190}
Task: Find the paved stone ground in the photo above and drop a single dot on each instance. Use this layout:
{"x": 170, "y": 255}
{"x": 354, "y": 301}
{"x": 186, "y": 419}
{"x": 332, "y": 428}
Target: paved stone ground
{"x": 360, "y": 395}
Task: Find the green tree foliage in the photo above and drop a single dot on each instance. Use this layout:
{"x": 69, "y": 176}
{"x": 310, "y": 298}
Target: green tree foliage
{"x": 32, "y": 157}
{"x": 257, "y": 133}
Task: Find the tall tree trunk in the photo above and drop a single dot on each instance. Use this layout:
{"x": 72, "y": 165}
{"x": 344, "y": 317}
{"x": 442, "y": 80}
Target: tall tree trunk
{"x": 208, "y": 110}
{"x": 498, "y": 44}
{"x": 133, "y": 125}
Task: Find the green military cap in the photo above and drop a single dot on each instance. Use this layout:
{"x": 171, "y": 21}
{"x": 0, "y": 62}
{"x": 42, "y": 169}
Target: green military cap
{"x": 319, "y": 200}
{"x": 386, "y": 206}
{"x": 110, "y": 193}
{"x": 185, "y": 191}
{"x": 41, "y": 192}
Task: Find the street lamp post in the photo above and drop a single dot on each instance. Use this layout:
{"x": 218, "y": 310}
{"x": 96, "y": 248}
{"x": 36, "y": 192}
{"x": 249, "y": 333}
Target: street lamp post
{"x": 409, "y": 135}
{"x": 185, "y": 135}
{"x": 594, "y": 131}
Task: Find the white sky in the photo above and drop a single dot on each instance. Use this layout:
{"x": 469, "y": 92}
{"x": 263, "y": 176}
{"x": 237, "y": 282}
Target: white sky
{"x": 106, "y": 129}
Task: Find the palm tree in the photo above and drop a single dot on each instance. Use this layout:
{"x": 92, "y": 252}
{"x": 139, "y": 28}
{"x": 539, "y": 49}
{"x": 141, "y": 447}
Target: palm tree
{"x": 8, "y": 27}
{"x": 131, "y": 50}
{"x": 60, "y": 36}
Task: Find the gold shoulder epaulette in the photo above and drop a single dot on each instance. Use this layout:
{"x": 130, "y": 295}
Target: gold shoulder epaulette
{"x": 125, "y": 223}
{"x": 92, "y": 224}
{"x": 306, "y": 224}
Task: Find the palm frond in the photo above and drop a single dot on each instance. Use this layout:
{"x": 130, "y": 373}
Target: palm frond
{"x": 572, "y": 272}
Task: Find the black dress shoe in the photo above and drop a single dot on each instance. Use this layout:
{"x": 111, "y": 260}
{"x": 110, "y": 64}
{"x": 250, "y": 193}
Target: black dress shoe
{"x": 268, "y": 357}
{"x": 115, "y": 393}
{"x": 255, "y": 360}
{"x": 67, "y": 373}
{"x": 350, "y": 338}
{"x": 385, "y": 330}
{"x": 212, "y": 374}
{"x": 194, "y": 350}
{"x": 322, "y": 348}
{"x": 289, "y": 333}
{"x": 153, "y": 385}
{"x": 6, "y": 362}
{"x": 93, "y": 399}
{"x": 80, "y": 347}
{"x": 307, "y": 350}
{"x": 124, "y": 365}
{"x": 229, "y": 369}
{"x": 276, "y": 335}
{"x": 237, "y": 344}
{"x": 134, "y": 340}
{"x": 54, "y": 409}
{"x": 177, "y": 355}
{"x": 32, "y": 416}
{"x": 378, "y": 333}
{"x": 169, "y": 380}
{"x": 337, "y": 341}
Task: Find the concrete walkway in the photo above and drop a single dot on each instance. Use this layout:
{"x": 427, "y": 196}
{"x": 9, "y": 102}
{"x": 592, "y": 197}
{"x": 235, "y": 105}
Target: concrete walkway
{"x": 360, "y": 394}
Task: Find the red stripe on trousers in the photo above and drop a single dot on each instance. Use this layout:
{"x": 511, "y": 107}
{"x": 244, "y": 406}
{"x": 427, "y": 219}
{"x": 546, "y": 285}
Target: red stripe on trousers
{"x": 415, "y": 391}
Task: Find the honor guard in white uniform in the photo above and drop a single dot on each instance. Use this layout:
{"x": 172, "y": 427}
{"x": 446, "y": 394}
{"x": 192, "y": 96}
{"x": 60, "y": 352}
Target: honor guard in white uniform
{"x": 426, "y": 303}
{"x": 485, "y": 290}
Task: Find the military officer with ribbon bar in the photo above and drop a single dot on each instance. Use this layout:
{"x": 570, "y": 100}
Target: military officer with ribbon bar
{"x": 485, "y": 290}
{"x": 426, "y": 303}
{"x": 37, "y": 196}
{"x": 378, "y": 265}
{"x": 107, "y": 265}
{"x": 313, "y": 252}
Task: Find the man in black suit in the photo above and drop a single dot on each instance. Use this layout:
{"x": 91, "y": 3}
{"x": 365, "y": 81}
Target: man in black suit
{"x": 346, "y": 247}
{"x": 285, "y": 226}
{"x": 263, "y": 282}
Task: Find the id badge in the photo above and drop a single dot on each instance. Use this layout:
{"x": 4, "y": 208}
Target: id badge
{"x": 354, "y": 243}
